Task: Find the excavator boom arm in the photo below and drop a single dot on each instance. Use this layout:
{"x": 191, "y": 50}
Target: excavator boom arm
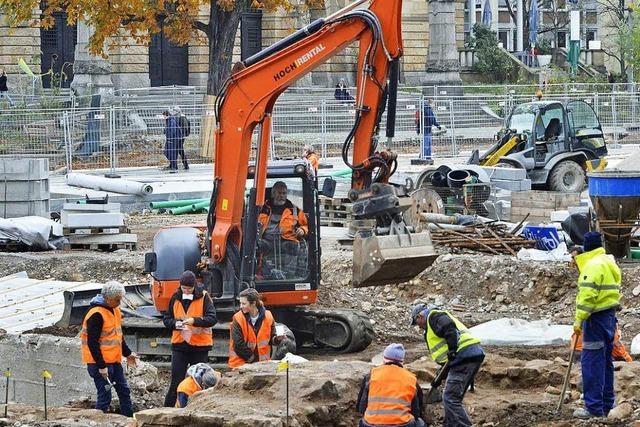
{"x": 250, "y": 93}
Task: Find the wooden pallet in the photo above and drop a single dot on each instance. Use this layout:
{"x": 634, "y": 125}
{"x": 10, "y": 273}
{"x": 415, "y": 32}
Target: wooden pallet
{"x": 68, "y": 231}
{"x": 335, "y": 212}
{"x": 105, "y": 247}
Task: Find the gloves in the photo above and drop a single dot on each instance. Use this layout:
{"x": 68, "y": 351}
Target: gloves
{"x": 577, "y": 328}
{"x": 451, "y": 355}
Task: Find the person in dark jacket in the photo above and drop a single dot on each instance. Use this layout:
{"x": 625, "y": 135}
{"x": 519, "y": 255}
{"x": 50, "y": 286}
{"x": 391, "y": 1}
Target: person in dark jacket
{"x": 184, "y": 127}
{"x": 172, "y": 134}
{"x": 390, "y": 396}
{"x": 450, "y": 343}
{"x": 428, "y": 120}
{"x": 190, "y": 317}
{"x": 342, "y": 93}
{"x": 4, "y": 90}
{"x": 103, "y": 347}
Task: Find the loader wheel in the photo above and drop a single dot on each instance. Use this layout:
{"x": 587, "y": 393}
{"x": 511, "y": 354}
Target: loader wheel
{"x": 567, "y": 177}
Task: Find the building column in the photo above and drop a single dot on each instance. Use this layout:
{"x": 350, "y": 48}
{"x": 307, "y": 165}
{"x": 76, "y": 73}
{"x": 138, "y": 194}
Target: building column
{"x": 520, "y": 26}
{"x": 91, "y": 74}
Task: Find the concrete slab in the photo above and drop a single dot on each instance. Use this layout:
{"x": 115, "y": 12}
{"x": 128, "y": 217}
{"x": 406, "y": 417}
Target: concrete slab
{"x": 103, "y": 239}
{"x": 24, "y": 190}
{"x": 28, "y": 355}
{"x": 507, "y": 174}
{"x": 522, "y": 185}
{"x": 17, "y": 209}
{"x": 88, "y": 220}
{"x": 23, "y": 169}
{"x": 91, "y": 207}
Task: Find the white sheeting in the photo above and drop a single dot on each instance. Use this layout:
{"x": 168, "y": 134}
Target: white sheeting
{"x": 558, "y": 254}
{"x": 507, "y": 331}
{"x": 34, "y": 231}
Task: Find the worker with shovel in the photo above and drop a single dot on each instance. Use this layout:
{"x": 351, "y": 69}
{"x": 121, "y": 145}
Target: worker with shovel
{"x": 597, "y": 300}
{"x": 460, "y": 354}
{"x": 390, "y": 395}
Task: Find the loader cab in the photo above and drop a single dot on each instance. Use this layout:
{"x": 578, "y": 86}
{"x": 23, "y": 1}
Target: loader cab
{"x": 585, "y": 130}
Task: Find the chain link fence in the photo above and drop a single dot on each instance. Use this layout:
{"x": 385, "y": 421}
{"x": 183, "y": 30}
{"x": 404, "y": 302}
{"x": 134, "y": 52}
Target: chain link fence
{"x": 131, "y": 131}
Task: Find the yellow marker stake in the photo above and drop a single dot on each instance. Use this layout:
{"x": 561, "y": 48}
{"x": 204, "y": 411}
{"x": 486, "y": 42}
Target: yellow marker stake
{"x": 45, "y": 375}
{"x": 282, "y": 366}
{"x": 7, "y": 374}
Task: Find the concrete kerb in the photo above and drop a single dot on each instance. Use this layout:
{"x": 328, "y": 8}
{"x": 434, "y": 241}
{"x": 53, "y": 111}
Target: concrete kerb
{"x": 28, "y": 355}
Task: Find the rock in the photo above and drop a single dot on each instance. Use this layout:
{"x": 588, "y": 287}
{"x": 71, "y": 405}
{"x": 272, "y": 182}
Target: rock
{"x": 500, "y": 299}
{"x": 366, "y": 306}
{"x": 444, "y": 258}
{"x": 636, "y": 291}
{"x": 621, "y": 412}
{"x": 552, "y": 390}
{"x": 143, "y": 377}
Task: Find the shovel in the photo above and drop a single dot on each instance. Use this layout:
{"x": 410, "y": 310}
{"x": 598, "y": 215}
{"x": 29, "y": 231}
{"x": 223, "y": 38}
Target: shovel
{"x": 435, "y": 395}
{"x": 574, "y": 341}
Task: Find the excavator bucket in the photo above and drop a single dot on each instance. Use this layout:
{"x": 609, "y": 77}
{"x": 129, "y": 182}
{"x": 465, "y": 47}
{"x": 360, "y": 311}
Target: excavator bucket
{"x": 390, "y": 259}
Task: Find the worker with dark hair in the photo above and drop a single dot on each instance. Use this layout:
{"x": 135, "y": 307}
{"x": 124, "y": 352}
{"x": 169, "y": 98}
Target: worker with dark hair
{"x": 103, "y": 346}
{"x": 253, "y": 331}
{"x": 199, "y": 377}
{"x": 190, "y": 317}
{"x": 390, "y": 395}
{"x": 597, "y": 300}
{"x": 450, "y": 344}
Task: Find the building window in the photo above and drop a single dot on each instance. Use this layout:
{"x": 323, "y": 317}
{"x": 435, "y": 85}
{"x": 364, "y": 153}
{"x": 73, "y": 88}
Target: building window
{"x": 562, "y": 39}
{"x": 503, "y": 37}
{"x": 591, "y": 34}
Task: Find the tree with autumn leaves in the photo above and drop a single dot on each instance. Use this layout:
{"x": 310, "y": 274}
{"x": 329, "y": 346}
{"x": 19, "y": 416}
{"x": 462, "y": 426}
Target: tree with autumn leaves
{"x": 140, "y": 19}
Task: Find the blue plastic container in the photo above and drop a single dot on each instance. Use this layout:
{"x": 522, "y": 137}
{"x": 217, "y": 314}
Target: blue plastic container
{"x": 614, "y": 184}
{"x": 547, "y": 237}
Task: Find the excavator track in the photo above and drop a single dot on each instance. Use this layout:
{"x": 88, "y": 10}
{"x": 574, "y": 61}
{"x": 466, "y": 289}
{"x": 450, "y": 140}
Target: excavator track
{"x": 335, "y": 331}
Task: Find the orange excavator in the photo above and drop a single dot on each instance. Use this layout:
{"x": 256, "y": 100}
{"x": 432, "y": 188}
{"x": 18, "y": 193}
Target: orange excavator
{"x": 228, "y": 252}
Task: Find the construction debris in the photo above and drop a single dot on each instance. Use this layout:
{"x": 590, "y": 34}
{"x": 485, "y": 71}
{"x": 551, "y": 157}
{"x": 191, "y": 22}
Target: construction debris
{"x": 485, "y": 237}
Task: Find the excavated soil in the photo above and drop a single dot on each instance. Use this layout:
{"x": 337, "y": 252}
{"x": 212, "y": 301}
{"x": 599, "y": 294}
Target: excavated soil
{"x": 517, "y": 386}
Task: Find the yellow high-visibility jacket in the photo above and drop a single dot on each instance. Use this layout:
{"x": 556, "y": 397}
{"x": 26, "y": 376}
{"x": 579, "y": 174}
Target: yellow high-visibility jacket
{"x": 598, "y": 284}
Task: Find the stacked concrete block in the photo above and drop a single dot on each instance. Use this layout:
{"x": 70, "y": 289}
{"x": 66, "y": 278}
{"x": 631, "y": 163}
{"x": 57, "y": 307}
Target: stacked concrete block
{"x": 96, "y": 226}
{"x": 510, "y": 179}
{"x": 540, "y": 204}
{"x": 24, "y": 187}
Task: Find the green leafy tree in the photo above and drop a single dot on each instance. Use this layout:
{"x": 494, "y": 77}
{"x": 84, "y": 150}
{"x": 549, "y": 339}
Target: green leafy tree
{"x": 490, "y": 59}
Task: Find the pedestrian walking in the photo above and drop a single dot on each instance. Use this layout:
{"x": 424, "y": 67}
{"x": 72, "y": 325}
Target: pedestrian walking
{"x": 429, "y": 120}
{"x": 172, "y": 135}
{"x": 4, "y": 90}
{"x": 103, "y": 346}
{"x": 390, "y": 395}
{"x": 190, "y": 317}
{"x": 185, "y": 130}
{"x": 451, "y": 345}
{"x": 597, "y": 300}
{"x": 309, "y": 153}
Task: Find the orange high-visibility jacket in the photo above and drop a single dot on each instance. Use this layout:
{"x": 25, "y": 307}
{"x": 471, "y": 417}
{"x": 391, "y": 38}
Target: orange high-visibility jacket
{"x": 262, "y": 341}
{"x": 110, "y": 336}
{"x": 619, "y": 351}
{"x": 314, "y": 160}
{"x": 391, "y": 391}
{"x": 292, "y": 217}
{"x": 198, "y": 336}
{"x": 187, "y": 386}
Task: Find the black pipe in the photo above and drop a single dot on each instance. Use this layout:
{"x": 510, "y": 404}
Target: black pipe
{"x": 285, "y": 42}
{"x": 394, "y": 70}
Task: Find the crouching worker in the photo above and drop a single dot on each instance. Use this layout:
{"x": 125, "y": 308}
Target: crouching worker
{"x": 103, "y": 347}
{"x": 199, "y": 377}
{"x": 390, "y": 395}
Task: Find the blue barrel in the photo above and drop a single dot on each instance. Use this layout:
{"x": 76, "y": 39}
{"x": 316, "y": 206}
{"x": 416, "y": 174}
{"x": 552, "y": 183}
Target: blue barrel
{"x": 614, "y": 184}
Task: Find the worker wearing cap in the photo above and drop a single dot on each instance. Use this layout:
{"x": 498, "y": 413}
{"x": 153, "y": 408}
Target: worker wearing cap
{"x": 103, "y": 346}
{"x": 597, "y": 300}
{"x": 449, "y": 342}
{"x": 190, "y": 317}
{"x": 390, "y": 395}
{"x": 199, "y": 377}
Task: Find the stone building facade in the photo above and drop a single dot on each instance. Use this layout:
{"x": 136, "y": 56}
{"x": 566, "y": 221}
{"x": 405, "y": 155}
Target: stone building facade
{"x": 163, "y": 63}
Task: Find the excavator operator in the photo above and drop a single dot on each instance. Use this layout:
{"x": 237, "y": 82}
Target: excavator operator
{"x": 283, "y": 230}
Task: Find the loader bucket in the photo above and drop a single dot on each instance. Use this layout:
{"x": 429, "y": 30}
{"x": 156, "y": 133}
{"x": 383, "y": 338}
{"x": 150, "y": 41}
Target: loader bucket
{"x": 383, "y": 260}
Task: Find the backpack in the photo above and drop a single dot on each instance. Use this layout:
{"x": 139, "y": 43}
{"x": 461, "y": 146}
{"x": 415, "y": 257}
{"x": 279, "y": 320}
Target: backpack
{"x": 185, "y": 125}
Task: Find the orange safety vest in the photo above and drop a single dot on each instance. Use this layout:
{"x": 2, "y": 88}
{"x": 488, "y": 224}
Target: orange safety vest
{"x": 262, "y": 340}
{"x": 187, "y": 386}
{"x": 391, "y": 391}
{"x": 314, "y": 160}
{"x": 619, "y": 351}
{"x": 193, "y": 335}
{"x": 291, "y": 217}
{"x": 110, "y": 336}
